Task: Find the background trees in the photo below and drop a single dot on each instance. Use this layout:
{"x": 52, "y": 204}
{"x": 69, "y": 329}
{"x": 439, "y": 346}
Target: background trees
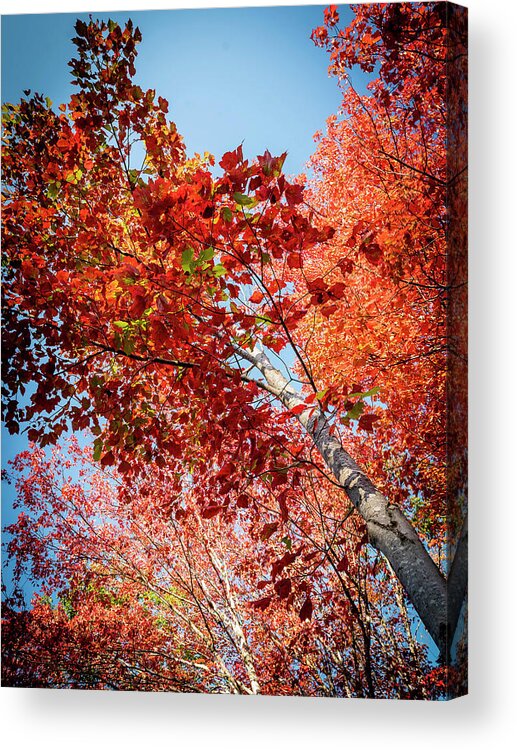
{"x": 134, "y": 600}
{"x": 390, "y": 172}
{"x": 149, "y": 300}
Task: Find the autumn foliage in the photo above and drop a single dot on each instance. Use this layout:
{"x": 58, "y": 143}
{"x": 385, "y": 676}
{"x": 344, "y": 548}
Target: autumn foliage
{"x": 132, "y": 600}
{"x": 382, "y": 171}
{"x": 263, "y": 368}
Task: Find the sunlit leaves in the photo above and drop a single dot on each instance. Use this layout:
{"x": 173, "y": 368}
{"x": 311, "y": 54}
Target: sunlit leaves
{"x": 187, "y": 258}
{"x": 135, "y": 294}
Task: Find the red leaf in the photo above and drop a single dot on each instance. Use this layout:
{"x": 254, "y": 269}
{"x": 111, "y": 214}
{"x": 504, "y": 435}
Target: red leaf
{"x": 262, "y": 604}
{"x": 285, "y": 560}
{"x": 160, "y": 333}
{"x": 328, "y": 310}
{"x": 108, "y": 459}
{"x": 231, "y": 159}
{"x": 284, "y": 510}
{"x": 306, "y": 610}
{"x": 268, "y": 530}
{"x": 361, "y": 542}
{"x": 163, "y": 104}
{"x": 366, "y": 422}
{"x": 337, "y": 290}
{"x": 294, "y": 194}
{"x": 137, "y": 308}
{"x": 225, "y": 471}
{"x": 346, "y": 266}
{"x": 331, "y": 16}
{"x": 256, "y": 297}
{"x": 211, "y": 511}
{"x": 317, "y": 285}
{"x": 373, "y": 252}
{"x": 294, "y": 260}
{"x": 283, "y": 588}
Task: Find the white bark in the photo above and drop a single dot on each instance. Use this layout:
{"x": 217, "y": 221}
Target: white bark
{"x": 437, "y": 603}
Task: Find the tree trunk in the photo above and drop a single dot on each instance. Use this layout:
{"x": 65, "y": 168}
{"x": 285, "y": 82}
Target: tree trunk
{"x": 389, "y": 530}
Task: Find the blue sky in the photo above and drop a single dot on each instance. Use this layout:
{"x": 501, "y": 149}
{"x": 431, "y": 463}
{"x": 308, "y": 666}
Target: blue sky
{"x": 230, "y": 75}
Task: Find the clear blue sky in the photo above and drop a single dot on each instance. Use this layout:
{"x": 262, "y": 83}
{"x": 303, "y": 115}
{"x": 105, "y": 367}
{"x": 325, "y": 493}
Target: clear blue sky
{"x": 230, "y": 75}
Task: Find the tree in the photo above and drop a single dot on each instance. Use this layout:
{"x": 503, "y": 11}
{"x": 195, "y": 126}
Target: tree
{"x": 391, "y": 172}
{"x": 134, "y": 600}
{"x": 152, "y": 302}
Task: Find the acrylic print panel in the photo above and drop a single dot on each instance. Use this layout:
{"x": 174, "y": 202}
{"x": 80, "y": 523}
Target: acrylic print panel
{"x": 235, "y": 370}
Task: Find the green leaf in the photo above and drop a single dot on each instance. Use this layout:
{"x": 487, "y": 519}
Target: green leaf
{"x": 218, "y": 270}
{"x": 53, "y": 190}
{"x": 121, "y": 324}
{"x": 129, "y": 345}
{"x": 207, "y": 253}
{"x": 187, "y": 258}
{"x": 227, "y": 214}
{"x": 97, "y": 449}
{"x": 321, "y": 394}
{"x": 243, "y": 200}
{"x": 366, "y": 394}
{"x": 356, "y": 411}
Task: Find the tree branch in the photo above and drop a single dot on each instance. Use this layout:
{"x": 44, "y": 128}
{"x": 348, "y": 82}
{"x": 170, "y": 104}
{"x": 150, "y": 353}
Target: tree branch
{"x": 389, "y": 530}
